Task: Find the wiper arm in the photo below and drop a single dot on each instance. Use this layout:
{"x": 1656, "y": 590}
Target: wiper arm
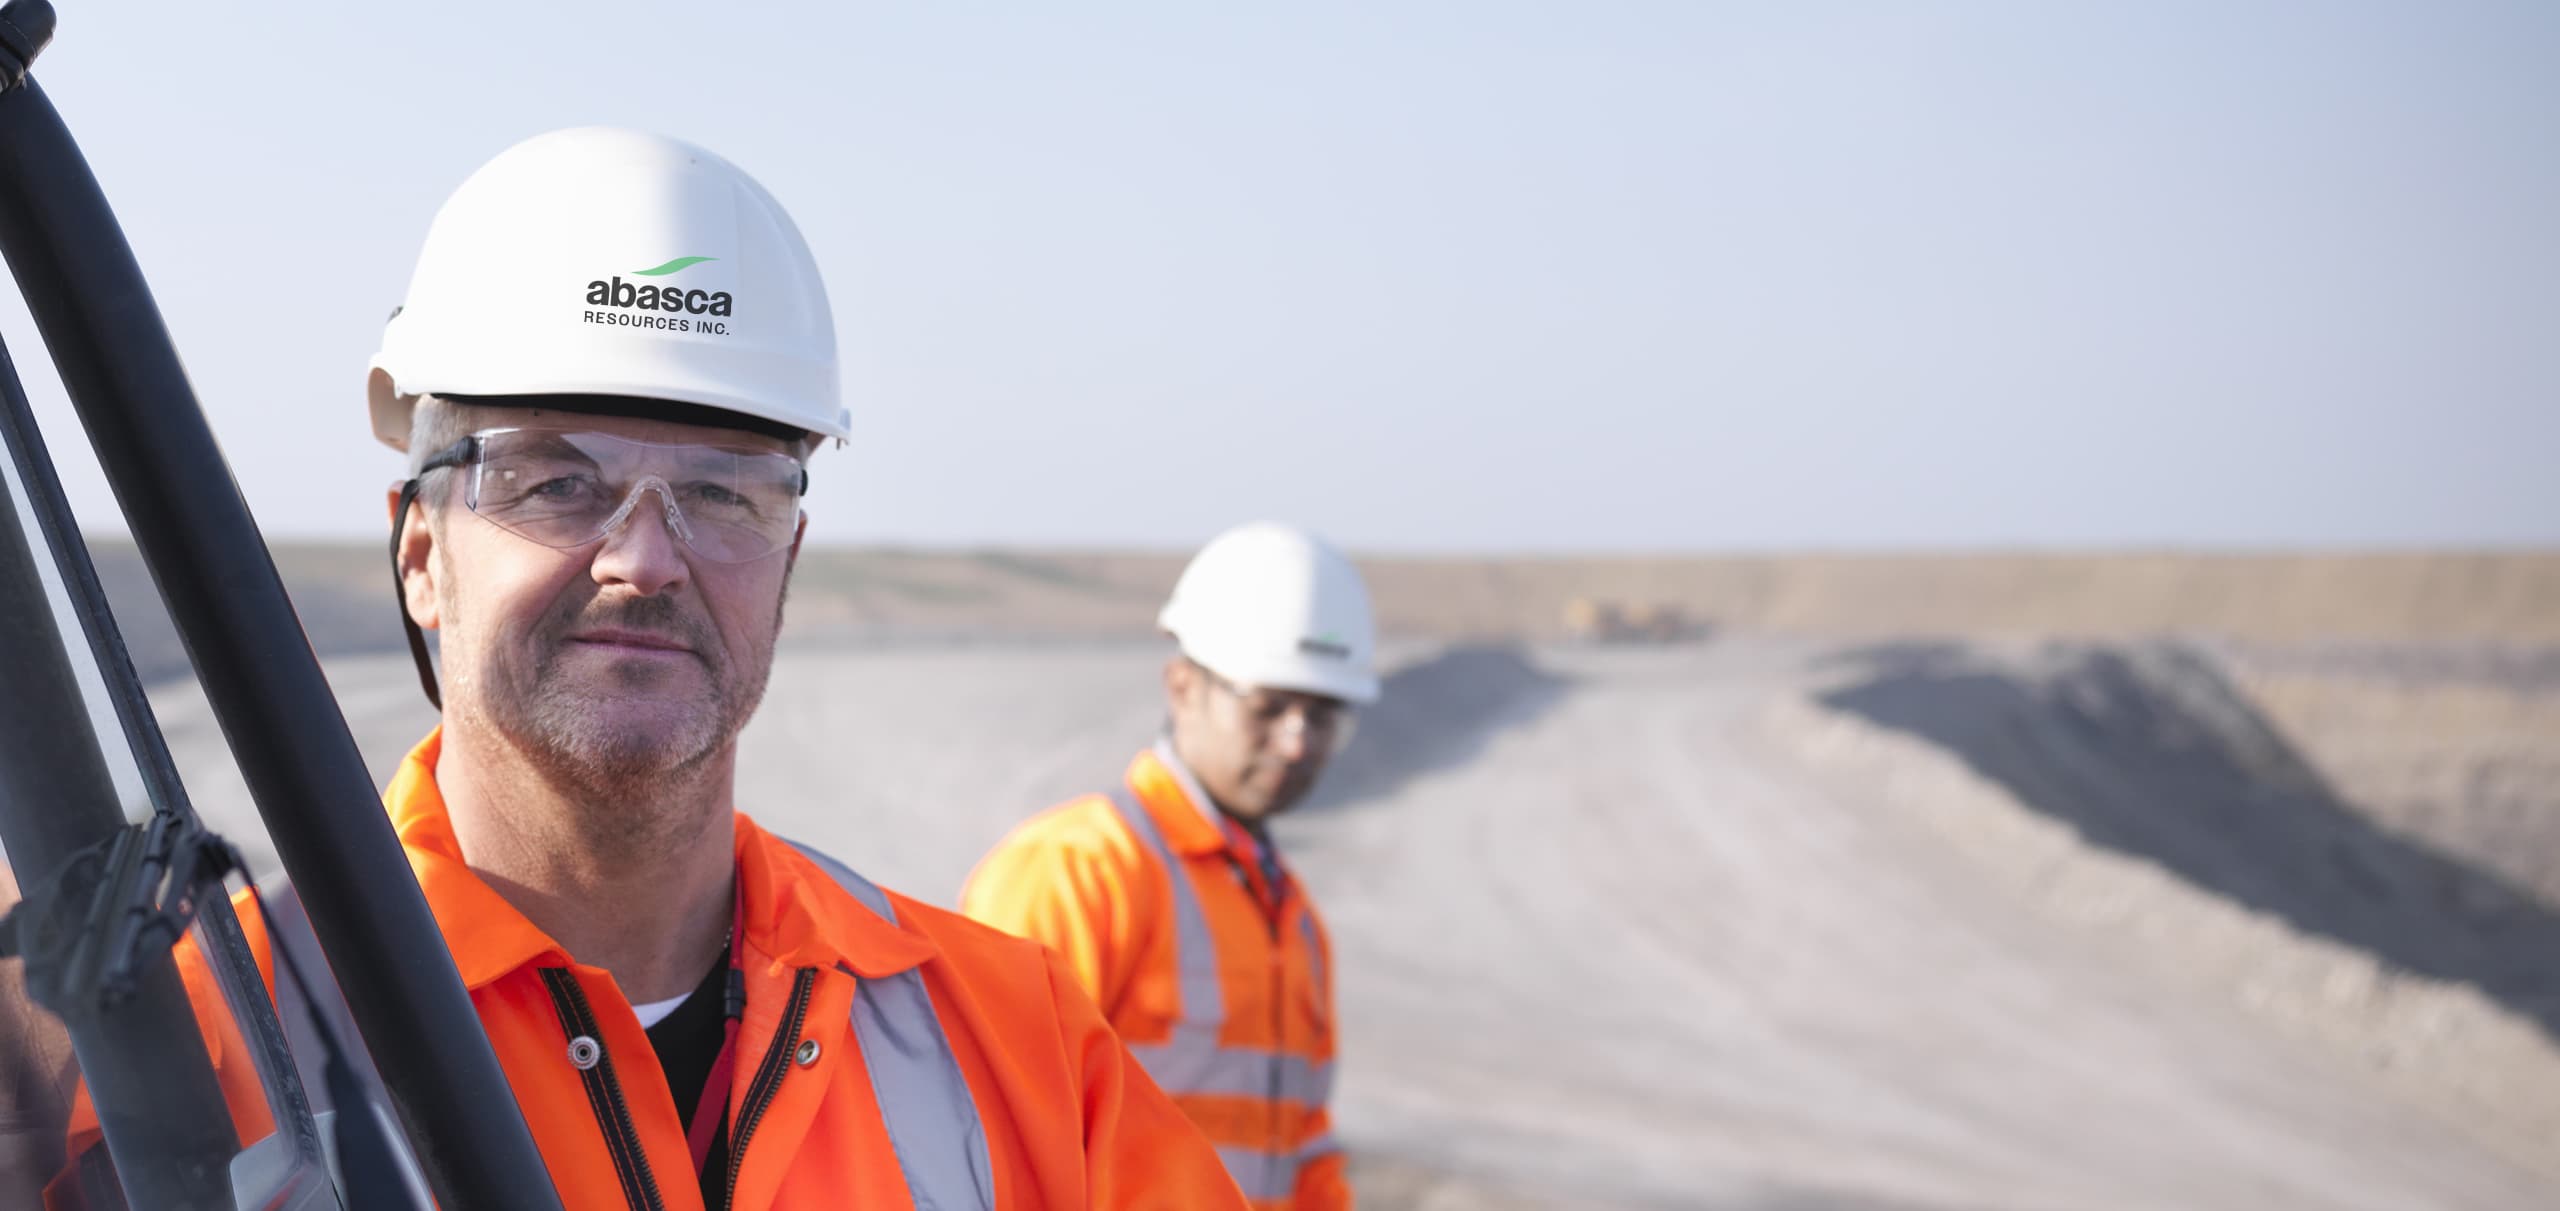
{"x": 88, "y": 931}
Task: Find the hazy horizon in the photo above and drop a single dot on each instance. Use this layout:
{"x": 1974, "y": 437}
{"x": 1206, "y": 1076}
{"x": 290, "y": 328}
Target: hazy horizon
{"x": 2532, "y": 549}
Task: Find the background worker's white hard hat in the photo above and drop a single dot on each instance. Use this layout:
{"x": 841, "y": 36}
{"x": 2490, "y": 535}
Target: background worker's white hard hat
{"x": 599, "y": 261}
{"x": 1272, "y": 605}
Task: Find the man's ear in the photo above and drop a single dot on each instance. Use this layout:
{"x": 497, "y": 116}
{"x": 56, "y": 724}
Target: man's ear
{"x": 415, "y": 560}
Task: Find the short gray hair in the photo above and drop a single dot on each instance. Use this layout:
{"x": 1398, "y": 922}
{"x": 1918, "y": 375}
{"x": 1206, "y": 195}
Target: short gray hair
{"x": 437, "y": 423}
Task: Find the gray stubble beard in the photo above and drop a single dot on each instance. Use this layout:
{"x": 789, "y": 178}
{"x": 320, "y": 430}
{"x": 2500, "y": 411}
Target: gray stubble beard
{"x": 628, "y": 784}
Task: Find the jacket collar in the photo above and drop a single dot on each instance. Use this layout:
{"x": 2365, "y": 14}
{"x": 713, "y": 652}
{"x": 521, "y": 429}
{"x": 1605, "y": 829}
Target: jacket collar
{"x": 1185, "y": 813}
{"x": 793, "y": 911}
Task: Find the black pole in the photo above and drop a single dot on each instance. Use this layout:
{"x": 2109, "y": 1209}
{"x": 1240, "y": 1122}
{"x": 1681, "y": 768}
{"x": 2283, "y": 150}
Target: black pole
{"x": 90, "y": 301}
{"x": 59, "y": 531}
{"x": 144, "y": 1059}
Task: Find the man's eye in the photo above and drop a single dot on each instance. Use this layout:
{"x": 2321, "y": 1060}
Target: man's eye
{"x": 714, "y": 494}
{"x": 565, "y": 487}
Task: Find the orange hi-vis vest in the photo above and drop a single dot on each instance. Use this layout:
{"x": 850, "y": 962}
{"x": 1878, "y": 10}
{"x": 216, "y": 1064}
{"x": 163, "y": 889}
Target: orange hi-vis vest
{"x": 890, "y": 1054}
{"x": 1217, "y": 981}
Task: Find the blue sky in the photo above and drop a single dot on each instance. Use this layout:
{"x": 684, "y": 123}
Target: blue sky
{"x": 1465, "y": 277}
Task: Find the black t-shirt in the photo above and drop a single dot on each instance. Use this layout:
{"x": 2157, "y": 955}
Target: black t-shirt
{"x": 688, "y": 1044}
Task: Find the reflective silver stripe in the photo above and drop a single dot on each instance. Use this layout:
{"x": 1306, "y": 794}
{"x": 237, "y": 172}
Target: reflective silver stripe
{"x": 1260, "y": 1175}
{"x": 1315, "y": 949}
{"x": 1317, "y": 1080}
{"x": 1195, "y": 949}
{"x": 1244, "y": 1072}
{"x": 854, "y": 885}
{"x": 1273, "y": 1175}
{"x": 924, "y": 1097}
{"x": 1192, "y": 1061}
{"x": 925, "y": 1103}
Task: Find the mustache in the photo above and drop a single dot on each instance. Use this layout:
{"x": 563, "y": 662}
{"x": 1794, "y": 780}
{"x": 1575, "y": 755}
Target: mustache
{"x": 650, "y": 615}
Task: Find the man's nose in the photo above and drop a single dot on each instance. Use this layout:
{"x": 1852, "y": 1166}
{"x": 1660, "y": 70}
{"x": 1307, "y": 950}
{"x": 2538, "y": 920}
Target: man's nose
{"x": 1290, "y": 738}
{"x": 644, "y": 552}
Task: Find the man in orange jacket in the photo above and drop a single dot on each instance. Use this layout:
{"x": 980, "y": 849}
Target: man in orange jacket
{"x": 611, "y": 367}
{"x": 1164, "y": 892}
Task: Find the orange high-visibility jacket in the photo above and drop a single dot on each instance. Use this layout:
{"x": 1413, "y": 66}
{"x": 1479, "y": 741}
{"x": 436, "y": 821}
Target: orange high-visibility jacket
{"x": 851, "y": 994}
{"x": 1148, "y": 898}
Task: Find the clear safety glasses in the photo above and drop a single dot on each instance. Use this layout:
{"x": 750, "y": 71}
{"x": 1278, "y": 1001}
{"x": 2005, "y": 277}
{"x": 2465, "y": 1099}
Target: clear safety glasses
{"x": 567, "y": 488}
{"x": 1322, "y": 724}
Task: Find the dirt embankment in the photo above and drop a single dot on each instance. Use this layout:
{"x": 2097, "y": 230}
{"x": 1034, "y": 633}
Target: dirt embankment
{"x": 2456, "y": 746}
{"x": 2142, "y": 793}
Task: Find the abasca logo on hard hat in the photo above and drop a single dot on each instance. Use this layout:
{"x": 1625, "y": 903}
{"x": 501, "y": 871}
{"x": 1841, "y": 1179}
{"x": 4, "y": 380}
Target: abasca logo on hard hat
{"x": 685, "y": 307}
{"x": 1330, "y": 647}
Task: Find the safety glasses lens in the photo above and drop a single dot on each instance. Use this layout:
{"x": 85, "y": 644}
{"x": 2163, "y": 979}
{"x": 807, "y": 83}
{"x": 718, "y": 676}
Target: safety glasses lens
{"x": 568, "y": 489}
{"x": 1323, "y": 722}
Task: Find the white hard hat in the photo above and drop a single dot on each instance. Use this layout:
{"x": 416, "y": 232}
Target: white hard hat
{"x": 1272, "y": 605}
{"x": 599, "y": 261}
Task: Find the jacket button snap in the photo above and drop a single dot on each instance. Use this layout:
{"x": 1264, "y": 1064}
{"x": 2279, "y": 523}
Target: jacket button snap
{"x": 584, "y": 1052}
{"x": 808, "y": 1053}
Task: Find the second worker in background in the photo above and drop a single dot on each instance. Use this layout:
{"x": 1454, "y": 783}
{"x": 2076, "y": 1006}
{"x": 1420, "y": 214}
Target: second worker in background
{"x": 1163, "y": 891}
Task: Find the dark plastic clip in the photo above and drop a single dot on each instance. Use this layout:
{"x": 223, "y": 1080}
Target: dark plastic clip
{"x": 84, "y": 931}
{"x": 25, "y": 27}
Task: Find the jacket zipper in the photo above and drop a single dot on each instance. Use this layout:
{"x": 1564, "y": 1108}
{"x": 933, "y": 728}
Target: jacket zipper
{"x": 1279, "y": 1031}
{"x": 1272, "y": 918}
{"x": 769, "y": 1074}
{"x": 604, "y": 1093}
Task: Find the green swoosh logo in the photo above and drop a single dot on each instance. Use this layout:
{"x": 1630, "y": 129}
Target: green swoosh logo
{"x": 678, "y": 264}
